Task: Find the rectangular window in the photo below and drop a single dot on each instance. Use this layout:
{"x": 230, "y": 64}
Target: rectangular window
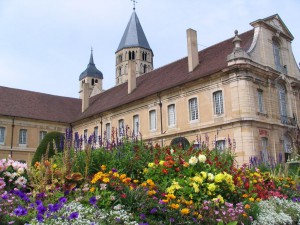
{"x": 2, "y": 133}
{"x": 23, "y": 137}
{"x": 260, "y": 101}
{"x": 85, "y": 134}
{"x": 121, "y": 128}
{"x": 220, "y": 145}
{"x": 152, "y": 119}
{"x": 96, "y": 133}
{"x": 193, "y": 109}
{"x": 42, "y": 135}
{"x": 171, "y": 115}
{"x": 264, "y": 152}
{"x": 107, "y": 130}
{"x": 218, "y": 102}
{"x": 136, "y": 125}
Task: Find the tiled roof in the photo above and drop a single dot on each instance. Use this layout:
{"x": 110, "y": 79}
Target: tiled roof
{"x": 211, "y": 60}
{"x": 34, "y": 105}
{"x": 39, "y": 106}
{"x": 134, "y": 35}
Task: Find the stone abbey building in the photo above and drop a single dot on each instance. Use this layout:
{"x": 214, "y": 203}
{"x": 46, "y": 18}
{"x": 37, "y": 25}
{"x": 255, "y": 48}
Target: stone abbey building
{"x": 246, "y": 88}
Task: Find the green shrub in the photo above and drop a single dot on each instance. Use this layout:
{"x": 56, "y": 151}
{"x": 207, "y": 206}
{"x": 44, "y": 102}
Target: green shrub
{"x": 41, "y": 150}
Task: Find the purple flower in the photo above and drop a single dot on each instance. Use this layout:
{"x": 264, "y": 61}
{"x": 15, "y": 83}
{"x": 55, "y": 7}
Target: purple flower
{"x": 41, "y": 195}
{"x": 143, "y": 223}
{"x": 73, "y": 215}
{"x": 154, "y": 210}
{"x": 114, "y": 170}
{"x": 172, "y": 220}
{"x": 62, "y": 200}
{"x": 93, "y": 200}
{"x": 39, "y": 218}
{"x": 20, "y": 211}
{"x": 41, "y": 209}
{"x": 56, "y": 207}
{"x": 38, "y": 202}
{"x": 4, "y": 196}
{"x": 142, "y": 216}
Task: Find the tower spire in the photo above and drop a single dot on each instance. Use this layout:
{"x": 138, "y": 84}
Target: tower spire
{"x": 134, "y": 2}
{"x": 91, "y": 57}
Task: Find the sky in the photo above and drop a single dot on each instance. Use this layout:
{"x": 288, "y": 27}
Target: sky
{"x": 46, "y": 44}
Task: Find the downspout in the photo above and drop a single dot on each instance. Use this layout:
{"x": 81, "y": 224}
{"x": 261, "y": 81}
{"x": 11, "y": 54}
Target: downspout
{"x": 101, "y": 128}
{"x": 12, "y": 136}
{"x": 161, "y": 122}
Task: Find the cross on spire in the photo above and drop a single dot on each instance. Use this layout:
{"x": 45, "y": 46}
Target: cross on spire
{"x": 134, "y": 2}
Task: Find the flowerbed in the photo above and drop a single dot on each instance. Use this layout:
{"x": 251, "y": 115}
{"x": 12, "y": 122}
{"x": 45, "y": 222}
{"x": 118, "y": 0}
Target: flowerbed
{"x": 151, "y": 185}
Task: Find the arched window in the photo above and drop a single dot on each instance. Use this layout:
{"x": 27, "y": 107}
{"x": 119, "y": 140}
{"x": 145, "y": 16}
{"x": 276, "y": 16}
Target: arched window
{"x": 276, "y": 52}
{"x": 129, "y": 55}
{"x": 145, "y": 68}
{"x": 93, "y": 82}
{"x": 132, "y": 55}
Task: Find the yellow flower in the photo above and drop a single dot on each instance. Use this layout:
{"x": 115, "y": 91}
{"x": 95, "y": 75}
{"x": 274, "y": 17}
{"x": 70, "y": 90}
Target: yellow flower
{"x": 198, "y": 179}
{"x": 185, "y": 211}
{"x": 196, "y": 187}
{"x": 150, "y": 165}
{"x": 174, "y": 206}
{"x": 170, "y": 196}
{"x": 145, "y": 170}
{"x": 161, "y": 162}
{"x": 115, "y": 174}
{"x": 200, "y": 216}
{"x": 245, "y": 196}
{"x": 152, "y": 192}
{"x": 54, "y": 166}
{"x": 135, "y": 181}
{"x": 212, "y": 187}
{"x": 251, "y": 199}
{"x": 92, "y": 189}
{"x": 106, "y": 180}
{"x": 210, "y": 177}
{"x": 203, "y": 174}
{"x": 144, "y": 184}
{"x": 123, "y": 176}
{"x": 219, "y": 178}
{"x": 218, "y": 199}
{"x": 103, "y": 167}
{"x": 258, "y": 199}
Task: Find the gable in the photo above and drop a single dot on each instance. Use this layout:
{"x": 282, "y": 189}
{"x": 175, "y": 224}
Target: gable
{"x": 275, "y": 23}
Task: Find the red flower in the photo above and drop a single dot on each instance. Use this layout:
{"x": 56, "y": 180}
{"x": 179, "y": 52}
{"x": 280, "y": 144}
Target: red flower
{"x": 165, "y": 171}
{"x": 123, "y": 195}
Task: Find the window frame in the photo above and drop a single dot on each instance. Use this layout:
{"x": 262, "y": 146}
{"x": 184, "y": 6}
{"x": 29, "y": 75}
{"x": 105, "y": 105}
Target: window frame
{"x": 135, "y": 125}
{"x": 42, "y": 135}
{"x": 193, "y": 109}
{"x": 2, "y": 135}
{"x": 108, "y": 131}
{"x": 152, "y": 120}
{"x": 218, "y": 101}
{"x": 260, "y": 101}
{"x": 173, "y": 116}
{"x": 277, "y": 54}
{"x": 23, "y": 135}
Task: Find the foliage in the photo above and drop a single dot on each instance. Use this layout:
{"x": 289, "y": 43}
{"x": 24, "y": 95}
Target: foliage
{"x": 49, "y": 140}
{"x": 137, "y": 183}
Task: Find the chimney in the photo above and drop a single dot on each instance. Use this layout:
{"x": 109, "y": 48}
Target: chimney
{"x": 192, "y": 45}
{"x": 85, "y": 96}
{"x": 131, "y": 76}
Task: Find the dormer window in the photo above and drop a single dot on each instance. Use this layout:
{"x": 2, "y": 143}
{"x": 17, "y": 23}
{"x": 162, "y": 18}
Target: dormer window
{"x": 276, "y": 51}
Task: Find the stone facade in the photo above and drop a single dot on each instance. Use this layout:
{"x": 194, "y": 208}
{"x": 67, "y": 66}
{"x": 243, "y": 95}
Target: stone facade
{"x": 246, "y": 89}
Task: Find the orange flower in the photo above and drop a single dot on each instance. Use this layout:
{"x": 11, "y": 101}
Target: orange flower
{"x": 37, "y": 164}
{"x": 103, "y": 167}
{"x": 174, "y": 206}
{"x": 47, "y": 163}
{"x": 185, "y": 211}
{"x": 247, "y": 206}
{"x": 245, "y": 196}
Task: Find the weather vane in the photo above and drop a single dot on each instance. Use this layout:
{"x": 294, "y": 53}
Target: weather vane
{"x": 134, "y": 2}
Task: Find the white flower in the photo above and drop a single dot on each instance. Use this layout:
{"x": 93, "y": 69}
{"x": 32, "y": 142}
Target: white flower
{"x": 193, "y": 160}
{"x": 172, "y": 151}
{"x": 103, "y": 186}
{"x": 202, "y": 158}
{"x": 112, "y": 197}
{"x": 210, "y": 177}
{"x": 21, "y": 181}
{"x": 21, "y": 170}
{"x": 15, "y": 165}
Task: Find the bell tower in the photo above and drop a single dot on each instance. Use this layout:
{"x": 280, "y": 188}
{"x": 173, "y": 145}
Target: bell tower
{"x": 133, "y": 46}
